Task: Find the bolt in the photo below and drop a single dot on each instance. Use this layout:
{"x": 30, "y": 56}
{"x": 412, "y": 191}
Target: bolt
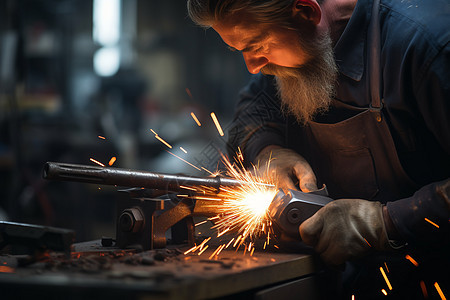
{"x": 293, "y": 215}
{"x": 131, "y": 219}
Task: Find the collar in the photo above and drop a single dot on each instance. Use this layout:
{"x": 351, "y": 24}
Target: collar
{"x": 349, "y": 51}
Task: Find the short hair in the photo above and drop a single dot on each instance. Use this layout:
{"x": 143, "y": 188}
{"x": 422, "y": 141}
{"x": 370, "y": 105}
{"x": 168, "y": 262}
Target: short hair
{"x": 272, "y": 12}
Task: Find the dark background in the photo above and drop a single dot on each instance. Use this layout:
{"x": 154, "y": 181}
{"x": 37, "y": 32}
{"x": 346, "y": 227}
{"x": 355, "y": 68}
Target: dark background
{"x": 53, "y": 104}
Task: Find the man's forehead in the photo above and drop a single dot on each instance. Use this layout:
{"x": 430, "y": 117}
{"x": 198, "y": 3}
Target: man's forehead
{"x": 238, "y": 31}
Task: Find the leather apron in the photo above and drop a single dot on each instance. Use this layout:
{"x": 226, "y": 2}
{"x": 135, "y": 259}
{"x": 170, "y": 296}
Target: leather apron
{"x": 356, "y": 156}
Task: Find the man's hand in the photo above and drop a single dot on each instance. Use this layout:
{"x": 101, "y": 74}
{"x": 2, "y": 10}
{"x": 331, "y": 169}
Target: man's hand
{"x": 286, "y": 168}
{"x": 345, "y": 229}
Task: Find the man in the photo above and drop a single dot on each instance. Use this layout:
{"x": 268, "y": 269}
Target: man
{"x": 354, "y": 95}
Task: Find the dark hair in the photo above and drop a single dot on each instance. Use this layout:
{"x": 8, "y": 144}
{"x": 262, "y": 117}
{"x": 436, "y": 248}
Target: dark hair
{"x": 207, "y": 12}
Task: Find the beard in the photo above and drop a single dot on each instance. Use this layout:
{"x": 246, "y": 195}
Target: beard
{"x": 307, "y": 90}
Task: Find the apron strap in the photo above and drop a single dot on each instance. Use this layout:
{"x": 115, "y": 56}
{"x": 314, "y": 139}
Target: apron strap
{"x": 375, "y": 61}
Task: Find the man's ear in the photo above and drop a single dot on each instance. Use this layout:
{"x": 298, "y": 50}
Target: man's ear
{"x": 307, "y": 10}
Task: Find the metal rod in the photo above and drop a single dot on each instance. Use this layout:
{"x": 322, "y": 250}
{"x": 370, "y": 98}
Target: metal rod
{"x": 130, "y": 178}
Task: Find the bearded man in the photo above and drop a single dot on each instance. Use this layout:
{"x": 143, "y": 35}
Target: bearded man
{"x": 354, "y": 95}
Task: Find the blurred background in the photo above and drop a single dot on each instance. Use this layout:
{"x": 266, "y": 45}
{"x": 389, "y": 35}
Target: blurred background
{"x": 74, "y": 70}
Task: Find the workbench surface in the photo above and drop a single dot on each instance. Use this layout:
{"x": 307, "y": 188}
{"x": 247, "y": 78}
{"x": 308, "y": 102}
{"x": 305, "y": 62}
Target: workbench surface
{"x": 155, "y": 274}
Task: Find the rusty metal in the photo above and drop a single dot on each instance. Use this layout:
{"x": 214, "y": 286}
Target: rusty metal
{"x": 35, "y": 237}
{"x": 132, "y": 178}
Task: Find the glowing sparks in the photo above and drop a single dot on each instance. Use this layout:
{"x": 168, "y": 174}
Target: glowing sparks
{"x": 385, "y": 278}
{"x": 432, "y": 223}
{"x": 424, "y": 289}
{"x": 241, "y": 210}
{"x": 195, "y": 119}
{"x": 183, "y": 160}
{"x": 112, "y": 160}
{"x": 384, "y": 292}
{"x": 216, "y": 122}
{"x": 101, "y": 137}
{"x": 160, "y": 139}
{"x": 412, "y": 260}
{"x": 182, "y": 149}
{"x": 97, "y": 162}
{"x": 188, "y": 91}
{"x": 438, "y": 289}
{"x": 201, "y": 223}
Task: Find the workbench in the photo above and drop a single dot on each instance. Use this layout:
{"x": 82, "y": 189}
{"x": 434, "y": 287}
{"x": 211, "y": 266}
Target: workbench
{"x": 164, "y": 274}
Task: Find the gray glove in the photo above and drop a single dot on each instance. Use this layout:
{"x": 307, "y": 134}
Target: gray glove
{"x": 286, "y": 168}
{"x": 345, "y": 229}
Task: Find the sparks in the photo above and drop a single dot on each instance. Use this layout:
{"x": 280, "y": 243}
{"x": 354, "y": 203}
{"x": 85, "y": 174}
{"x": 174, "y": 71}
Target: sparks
{"x": 412, "y": 260}
{"x": 385, "y": 278}
{"x": 101, "y": 137}
{"x": 188, "y": 91}
{"x": 112, "y": 160}
{"x": 96, "y": 161}
{"x": 216, "y": 122}
{"x": 195, "y": 119}
{"x": 432, "y": 223}
{"x": 438, "y": 289}
{"x": 424, "y": 289}
{"x": 160, "y": 139}
{"x": 184, "y": 161}
{"x": 384, "y": 292}
{"x": 182, "y": 149}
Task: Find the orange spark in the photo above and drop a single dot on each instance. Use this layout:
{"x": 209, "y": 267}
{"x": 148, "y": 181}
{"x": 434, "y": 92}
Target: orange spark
{"x": 101, "y": 137}
{"x": 160, "y": 139}
{"x": 200, "y": 253}
{"x": 184, "y": 160}
{"x": 97, "y": 162}
{"x": 112, "y": 160}
{"x": 195, "y": 119}
{"x": 188, "y": 188}
{"x": 6, "y": 269}
{"x": 385, "y": 278}
{"x": 424, "y": 289}
{"x": 229, "y": 243}
{"x": 353, "y": 297}
{"x": 436, "y": 285}
{"x": 205, "y": 169}
{"x": 412, "y": 260}
{"x": 431, "y": 222}
{"x": 367, "y": 242}
{"x": 387, "y": 269}
{"x": 182, "y": 149}
{"x": 384, "y": 292}
{"x": 190, "y": 250}
{"x": 188, "y": 91}
{"x": 201, "y": 223}
{"x": 219, "y": 128}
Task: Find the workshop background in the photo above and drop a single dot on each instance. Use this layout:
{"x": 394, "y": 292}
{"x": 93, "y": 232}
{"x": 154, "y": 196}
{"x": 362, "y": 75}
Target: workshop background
{"x": 74, "y": 70}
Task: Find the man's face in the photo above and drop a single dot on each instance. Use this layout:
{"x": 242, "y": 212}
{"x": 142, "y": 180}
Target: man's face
{"x": 261, "y": 45}
{"x": 301, "y": 60}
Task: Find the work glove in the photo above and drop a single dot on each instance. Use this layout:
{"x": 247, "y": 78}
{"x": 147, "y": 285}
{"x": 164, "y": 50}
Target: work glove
{"x": 286, "y": 168}
{"x": 345, "y": 229}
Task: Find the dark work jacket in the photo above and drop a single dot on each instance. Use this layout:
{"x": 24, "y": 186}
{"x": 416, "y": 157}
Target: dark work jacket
{"x": 415, "y": 87}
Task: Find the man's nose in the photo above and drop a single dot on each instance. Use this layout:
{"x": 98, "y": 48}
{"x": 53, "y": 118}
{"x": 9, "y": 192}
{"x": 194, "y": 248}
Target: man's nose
{"x": 254, "y": 62}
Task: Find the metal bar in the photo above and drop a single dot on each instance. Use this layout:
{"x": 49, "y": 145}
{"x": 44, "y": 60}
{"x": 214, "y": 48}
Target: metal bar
{"x": 131, "y": 178}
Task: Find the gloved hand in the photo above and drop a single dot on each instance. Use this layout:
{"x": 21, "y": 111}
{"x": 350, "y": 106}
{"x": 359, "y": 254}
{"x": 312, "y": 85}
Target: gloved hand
{"x": 286, "y": 168}
{"x": 345, "y": 229}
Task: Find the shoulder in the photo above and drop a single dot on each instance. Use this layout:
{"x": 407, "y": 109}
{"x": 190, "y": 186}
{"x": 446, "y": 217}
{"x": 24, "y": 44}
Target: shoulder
{"x": 428, "y": 19}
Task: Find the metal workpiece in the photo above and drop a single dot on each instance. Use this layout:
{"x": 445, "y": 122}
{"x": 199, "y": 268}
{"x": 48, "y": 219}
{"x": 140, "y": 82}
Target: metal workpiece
{"x": 133, "y": 178}
{"x": 288, "y": 210}
{"x": 36, "y": 237}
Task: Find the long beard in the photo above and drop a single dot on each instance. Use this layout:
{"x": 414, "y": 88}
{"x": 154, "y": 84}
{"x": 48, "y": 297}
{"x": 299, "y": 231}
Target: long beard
{"x": 307, "y": 90}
